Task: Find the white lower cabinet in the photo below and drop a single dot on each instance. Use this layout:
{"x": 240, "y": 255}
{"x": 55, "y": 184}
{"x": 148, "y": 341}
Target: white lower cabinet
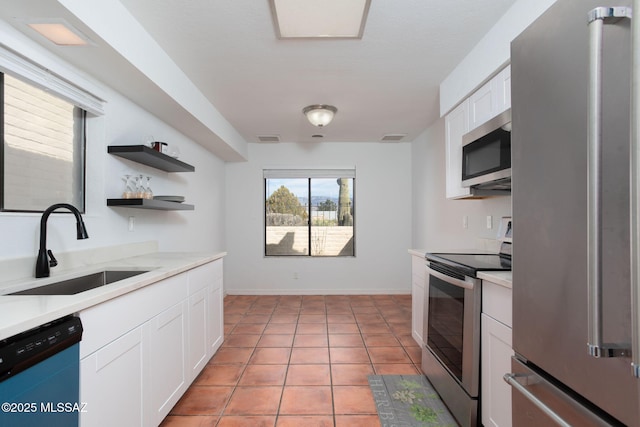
{"x": 111, "y": 383}
{"x": 496, "y": 352}
{"x": 142, "y": 350}
{"x": 197, "y": 333}
{"x": 418, "y": 282}
{"x": 215, "y": 319}
{"x": 165, "y": 362}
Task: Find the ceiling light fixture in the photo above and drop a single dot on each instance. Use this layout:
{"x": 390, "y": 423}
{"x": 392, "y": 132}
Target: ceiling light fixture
{"x": 60, "y": 32}
{"x": 320, "y": 115}
{"x": 319, "y": 18}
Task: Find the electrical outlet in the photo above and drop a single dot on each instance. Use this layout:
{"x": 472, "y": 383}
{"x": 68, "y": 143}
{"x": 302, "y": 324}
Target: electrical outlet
{"x": 465, "y": 221}
{"x": 132, "y": 222}
{"x": 295, "y": 275}
{"x": 489, "y": 222}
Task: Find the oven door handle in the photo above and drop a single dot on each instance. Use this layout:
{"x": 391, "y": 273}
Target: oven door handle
{"x": 452, "y": 280}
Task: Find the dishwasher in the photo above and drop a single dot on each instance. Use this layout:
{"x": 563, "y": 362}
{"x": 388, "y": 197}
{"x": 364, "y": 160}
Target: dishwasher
{"x": 40, "y": 376}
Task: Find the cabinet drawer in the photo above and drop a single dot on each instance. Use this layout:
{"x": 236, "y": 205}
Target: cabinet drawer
{"x": 105, "y": 322}
{"x": 417, "y": 267}
{"x": 496, "y": 302}
{"x": 206, "y": 275}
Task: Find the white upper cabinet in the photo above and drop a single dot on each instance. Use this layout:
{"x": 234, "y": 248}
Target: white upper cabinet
{"x": 482, "y": 104}
{"x": 491, "y": 99}
{"x": 504, "y": 89}
{"x": 488, "y": 101}
{"x": 456, "y": 124}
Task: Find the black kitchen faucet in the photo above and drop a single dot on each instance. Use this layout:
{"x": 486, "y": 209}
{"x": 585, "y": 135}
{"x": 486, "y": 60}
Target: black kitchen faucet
{"x": 44, "y": 261}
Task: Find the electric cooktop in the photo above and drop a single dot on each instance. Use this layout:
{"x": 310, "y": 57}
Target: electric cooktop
{"x": 471, "y": 264}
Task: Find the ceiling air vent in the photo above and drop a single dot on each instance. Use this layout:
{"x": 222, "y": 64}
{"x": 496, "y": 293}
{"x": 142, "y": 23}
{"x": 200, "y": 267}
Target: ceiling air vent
{"x": 269, "y": 138}
{"x": 391, "y": 137}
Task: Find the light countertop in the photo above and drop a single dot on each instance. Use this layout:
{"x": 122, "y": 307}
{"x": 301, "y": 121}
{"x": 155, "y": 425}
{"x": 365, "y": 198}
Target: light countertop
{"x": 19, "y": 313}
{"x": 418, "y": 252}
{"x": 503, "y": 278}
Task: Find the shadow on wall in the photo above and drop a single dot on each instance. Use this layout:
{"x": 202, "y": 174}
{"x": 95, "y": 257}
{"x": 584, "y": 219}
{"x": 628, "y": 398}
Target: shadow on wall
{"x": 286, "y": 247}
{"x": 347, "y": 249}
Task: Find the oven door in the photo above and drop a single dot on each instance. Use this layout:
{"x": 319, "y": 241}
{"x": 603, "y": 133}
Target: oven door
{"x": 453, "y": 327}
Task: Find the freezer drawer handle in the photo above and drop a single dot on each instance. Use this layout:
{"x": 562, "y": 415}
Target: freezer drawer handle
{"x": 565, "y": 412}
{"x": 635, "y": 194}
{"x": 595, "y": 345}
{"x": 515, "y": 380}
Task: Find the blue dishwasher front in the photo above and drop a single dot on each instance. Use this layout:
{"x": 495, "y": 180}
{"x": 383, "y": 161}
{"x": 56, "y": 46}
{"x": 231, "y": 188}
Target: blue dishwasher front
{"x": 40, "y": 376}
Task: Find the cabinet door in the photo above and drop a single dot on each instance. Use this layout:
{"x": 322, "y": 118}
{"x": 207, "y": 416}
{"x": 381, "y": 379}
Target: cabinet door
{"x": 456, "y": 124}
{"x": 111, "y": 383}
{"x": 165, "y": 376}
{"x": 503, "y": 86}
{"x": 417, "y": 297}
{"x": 215, "y": 320}
{"x": 483, "y": 104}
{"x": 197, "y": 332}
{"x": 496, "y": 361}
{"x": 417, "y": 306}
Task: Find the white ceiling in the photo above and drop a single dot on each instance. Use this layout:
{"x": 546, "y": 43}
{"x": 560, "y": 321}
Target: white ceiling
{"x": 385, "y": 83}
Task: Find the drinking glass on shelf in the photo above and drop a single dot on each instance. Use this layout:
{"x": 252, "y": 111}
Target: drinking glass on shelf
{"x": 148, "y": 194}
{"x": 129, "y": 187}
{"x": 140, "y": 187}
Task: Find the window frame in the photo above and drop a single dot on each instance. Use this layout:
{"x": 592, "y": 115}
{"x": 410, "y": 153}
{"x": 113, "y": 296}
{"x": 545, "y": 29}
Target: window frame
{"x": 309, "y": 175}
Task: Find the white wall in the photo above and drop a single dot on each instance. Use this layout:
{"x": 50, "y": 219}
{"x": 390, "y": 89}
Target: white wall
{"x": 126, "y": 123}
{"x": 437, "y": 221}
{"x": 382, "y": 222}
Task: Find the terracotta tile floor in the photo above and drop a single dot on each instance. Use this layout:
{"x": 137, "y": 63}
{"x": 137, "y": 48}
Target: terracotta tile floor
{"x": 301, "y": 361}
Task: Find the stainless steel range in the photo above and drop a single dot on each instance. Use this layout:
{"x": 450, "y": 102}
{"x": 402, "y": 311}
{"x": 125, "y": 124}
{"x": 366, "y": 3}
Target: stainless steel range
{"x": 451, "y": 355}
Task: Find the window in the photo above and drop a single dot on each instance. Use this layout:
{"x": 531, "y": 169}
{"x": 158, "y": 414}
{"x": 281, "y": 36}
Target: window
{"x": 43, "y": 148}
{"x": 309, "y": 212}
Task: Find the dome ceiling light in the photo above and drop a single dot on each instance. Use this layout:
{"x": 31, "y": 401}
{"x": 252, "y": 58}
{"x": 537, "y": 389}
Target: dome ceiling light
{"x": 320, "y": 115}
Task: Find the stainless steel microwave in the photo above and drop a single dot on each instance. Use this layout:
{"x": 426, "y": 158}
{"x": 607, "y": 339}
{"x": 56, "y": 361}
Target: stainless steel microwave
{"x": 486, "y": 155}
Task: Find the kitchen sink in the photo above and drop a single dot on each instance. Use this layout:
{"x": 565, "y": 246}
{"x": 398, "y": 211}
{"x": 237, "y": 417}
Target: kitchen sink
{"x": 81, "y": 284}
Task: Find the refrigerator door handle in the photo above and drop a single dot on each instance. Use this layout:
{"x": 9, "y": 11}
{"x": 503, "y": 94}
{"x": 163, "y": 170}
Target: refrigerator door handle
{"x": 635, "y": 196}
{"x": 595, "y": 344}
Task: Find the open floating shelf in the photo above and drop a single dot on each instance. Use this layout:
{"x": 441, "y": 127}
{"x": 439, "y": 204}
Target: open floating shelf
{"x": 150, "y": 204}
{"x": 147, "y": 156}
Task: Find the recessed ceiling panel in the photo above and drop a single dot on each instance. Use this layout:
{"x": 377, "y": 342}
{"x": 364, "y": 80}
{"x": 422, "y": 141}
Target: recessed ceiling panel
{"x": 319, "y": 18}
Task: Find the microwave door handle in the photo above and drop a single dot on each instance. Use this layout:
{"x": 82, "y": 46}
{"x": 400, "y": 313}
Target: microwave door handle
{"x": 635, "y": 193}
{"x": 596, "y": 347}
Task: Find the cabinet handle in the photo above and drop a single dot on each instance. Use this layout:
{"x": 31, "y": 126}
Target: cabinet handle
{"x": 595, "y": 345}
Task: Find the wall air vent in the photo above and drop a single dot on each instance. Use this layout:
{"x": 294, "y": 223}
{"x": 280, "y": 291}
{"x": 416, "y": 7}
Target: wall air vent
{"x": 391, "y": 137}
{"x": 268, "y": 138}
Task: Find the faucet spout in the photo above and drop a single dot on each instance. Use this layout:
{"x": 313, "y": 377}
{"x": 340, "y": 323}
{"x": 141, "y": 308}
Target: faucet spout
{"x": 42, "y": 262}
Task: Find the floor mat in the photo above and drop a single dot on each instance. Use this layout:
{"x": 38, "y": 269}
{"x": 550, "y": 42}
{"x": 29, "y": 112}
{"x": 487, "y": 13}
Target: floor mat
{"x": 408, "y": 401}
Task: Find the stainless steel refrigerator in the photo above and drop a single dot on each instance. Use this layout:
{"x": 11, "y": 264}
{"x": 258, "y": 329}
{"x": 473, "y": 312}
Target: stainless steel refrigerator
{"x": 574, "y": 194}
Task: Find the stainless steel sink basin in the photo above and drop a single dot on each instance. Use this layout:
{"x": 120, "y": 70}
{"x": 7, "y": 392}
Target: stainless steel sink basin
{"x": 81, "y": 284}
